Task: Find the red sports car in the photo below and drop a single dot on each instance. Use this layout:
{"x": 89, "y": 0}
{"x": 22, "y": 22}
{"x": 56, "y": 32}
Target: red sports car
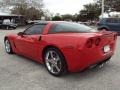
{"x": 62, "y": 46}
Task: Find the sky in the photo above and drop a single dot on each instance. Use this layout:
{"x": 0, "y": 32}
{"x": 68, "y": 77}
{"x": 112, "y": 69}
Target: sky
{"x": 65, "y": 6}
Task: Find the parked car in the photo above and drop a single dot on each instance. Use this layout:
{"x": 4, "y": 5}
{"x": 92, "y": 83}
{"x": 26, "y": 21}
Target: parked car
{"x": 109, "y": 24}
{"x": 33, "y": 21}
{"x": 63, "y": 46}
{"x": 6, "y": 24}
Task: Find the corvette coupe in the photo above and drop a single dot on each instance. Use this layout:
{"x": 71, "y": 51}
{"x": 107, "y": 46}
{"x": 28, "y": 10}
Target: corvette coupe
{"x": 62, "y": 46}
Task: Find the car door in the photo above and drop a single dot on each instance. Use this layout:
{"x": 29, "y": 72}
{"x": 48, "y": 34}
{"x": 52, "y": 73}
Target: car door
{"x": 118, "y": 26}
{"x": 28, "y": 44}
{"x": 113, "y": 24}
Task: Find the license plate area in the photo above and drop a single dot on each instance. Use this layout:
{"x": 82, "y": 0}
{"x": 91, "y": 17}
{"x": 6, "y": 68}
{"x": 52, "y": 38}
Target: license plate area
{"x": 106, "y": 48}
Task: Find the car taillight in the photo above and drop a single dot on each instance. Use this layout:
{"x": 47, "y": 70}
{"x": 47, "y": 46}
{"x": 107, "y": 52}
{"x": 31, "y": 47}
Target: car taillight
{"x": 89, "y": 43}
{"x": 97, "y": 41}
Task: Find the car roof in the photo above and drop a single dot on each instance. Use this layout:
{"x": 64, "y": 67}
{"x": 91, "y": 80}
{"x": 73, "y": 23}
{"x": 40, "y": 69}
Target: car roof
{"x": 110, "y": 18}
{"x": 53, "y": 22}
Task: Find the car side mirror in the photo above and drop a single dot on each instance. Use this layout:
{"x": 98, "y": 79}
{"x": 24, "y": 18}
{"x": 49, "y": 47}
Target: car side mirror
{"x": 20, "y": 34}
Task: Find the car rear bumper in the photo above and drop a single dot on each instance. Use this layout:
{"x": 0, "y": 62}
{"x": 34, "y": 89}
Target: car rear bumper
{"x": 80, "y": 57}
{"x": 83, "y": 62}
{"x": 78, "y": 60}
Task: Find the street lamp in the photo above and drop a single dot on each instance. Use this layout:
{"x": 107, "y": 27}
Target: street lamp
{"x": 102, "y": 12}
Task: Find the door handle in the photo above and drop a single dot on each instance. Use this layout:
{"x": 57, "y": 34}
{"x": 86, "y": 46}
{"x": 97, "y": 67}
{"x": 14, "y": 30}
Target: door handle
{"x": 40, "y": 37}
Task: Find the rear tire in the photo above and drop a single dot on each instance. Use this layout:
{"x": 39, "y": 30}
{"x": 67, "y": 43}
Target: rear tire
{"x": 14, "y": 28}
{"x": 55, "y": 62}
{"x": 7, "y": 27}
{"x": 104, "y": 29}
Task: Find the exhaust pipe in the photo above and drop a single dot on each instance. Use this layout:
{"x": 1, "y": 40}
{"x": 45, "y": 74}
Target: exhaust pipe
{"x": 101, "y": 65}
{"x": 107, "y": 62}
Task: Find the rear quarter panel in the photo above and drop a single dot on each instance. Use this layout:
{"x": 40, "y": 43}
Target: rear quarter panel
{"x": 73, "y": 47}
{"x": 67, "y": 44}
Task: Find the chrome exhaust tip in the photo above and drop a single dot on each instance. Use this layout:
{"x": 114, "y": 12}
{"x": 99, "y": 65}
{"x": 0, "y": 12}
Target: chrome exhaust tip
{"x": 101, "y": 65}
{"x": 107, "y": 62}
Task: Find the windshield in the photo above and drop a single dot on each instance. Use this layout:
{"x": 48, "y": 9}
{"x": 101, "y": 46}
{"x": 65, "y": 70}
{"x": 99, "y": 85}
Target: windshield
{"x": 69, "y": 27}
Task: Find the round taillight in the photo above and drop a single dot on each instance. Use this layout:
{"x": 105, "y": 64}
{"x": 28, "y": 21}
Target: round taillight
{"x": 97, "y": 41}
{"x": 89, "y": 43}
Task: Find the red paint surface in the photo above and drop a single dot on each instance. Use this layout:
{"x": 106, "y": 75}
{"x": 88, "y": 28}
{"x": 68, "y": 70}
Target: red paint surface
{"x": 72, "y": 45}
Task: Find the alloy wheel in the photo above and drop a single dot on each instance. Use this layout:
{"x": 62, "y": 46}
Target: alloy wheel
{"x": 53, "y": 62}
{"x": 7, "y": 46}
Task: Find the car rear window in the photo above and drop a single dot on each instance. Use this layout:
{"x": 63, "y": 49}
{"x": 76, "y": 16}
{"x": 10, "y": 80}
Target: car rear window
{"x": 69, "y": 27}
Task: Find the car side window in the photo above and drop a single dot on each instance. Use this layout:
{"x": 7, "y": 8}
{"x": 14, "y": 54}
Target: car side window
{"x": 109, "y": 20}
{"x": 118, "y": 20}
{"x": 35, "y": 29}
{"x": 113, "y": 20}
{"x": 66, "y": 27}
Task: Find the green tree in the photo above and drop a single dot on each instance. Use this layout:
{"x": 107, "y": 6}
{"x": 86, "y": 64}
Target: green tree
{"x": 110, "y": 5}
{"x": 67, "y": 17}
{"x": 33, "y": 13}
{"x": 31, "y": 3}
{"x": 20, "y": 9}
{"x": 93, "y": 10}
{"x": 56, "y": 18}
{"x": 32, "y": 9}
{"x": 90, "y": 12}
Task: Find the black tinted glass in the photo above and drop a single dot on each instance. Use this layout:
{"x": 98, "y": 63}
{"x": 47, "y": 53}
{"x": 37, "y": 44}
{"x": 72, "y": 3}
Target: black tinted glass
{"x": 36, "y": 29}
{"x": 113, "y": 20}
{"x": 66, "y": 27}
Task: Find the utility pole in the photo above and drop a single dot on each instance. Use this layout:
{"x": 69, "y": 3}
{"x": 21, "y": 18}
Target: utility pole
{"x": 102, "y": 12}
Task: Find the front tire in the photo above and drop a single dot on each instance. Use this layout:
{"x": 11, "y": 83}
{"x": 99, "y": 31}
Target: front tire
{"x": 8, "y": 47}
{"x": 7, "y": 27}
{"x": 55, "y": 62}
{"x": 104, "y": 29}
{"x": 14, "y": 28}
